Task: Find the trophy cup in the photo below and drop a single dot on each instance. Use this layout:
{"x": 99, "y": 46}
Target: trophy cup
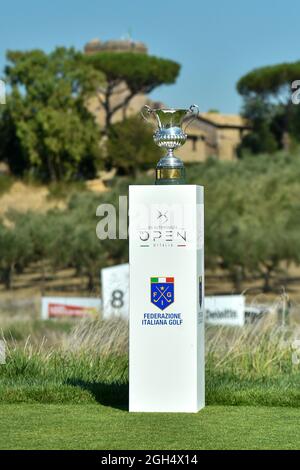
{"x": 170, "y": 135}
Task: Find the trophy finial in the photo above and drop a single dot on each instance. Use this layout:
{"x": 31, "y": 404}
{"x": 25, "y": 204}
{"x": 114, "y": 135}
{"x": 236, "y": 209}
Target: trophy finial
{"x": 170, "y": 135}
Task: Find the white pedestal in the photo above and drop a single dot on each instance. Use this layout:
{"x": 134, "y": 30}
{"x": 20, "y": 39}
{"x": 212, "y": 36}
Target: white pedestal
{"x": 166, "y": 346}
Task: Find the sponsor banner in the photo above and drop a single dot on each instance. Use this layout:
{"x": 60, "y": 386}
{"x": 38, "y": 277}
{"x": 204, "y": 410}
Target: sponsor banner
{"x": 57, "y": 307}
{"x": 225, "y": 310}
{"x": 115, "y": 291}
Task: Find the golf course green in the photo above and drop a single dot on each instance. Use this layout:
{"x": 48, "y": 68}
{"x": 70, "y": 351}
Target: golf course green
{"x": 93, "y": 426}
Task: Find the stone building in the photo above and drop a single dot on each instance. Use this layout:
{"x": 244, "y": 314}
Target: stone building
{"x": 211, "y": 134}
{"x": 115, "y": 45}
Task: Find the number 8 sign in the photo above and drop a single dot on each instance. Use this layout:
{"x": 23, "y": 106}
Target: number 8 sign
{"x": 117, "y": 298}
{"x": 115, "y": 286}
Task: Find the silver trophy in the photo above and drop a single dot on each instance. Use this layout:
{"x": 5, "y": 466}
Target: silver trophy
{"x": 170, "y": 135}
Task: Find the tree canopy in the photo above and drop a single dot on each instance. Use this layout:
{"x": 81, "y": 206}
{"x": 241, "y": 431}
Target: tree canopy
{"x": 140, "y": 73}
{"x": 252, "y": 215}
{"x": 269, "y": 80}
{"x": 46, "y": 128}
{"x": 46, "y": 125}
{"x": 130, "y": 146}
{"x": 267, "y": 103}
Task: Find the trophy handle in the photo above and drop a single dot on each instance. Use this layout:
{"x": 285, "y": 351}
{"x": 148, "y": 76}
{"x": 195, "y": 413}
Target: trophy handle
{"x": 148, "y": 110}
{"x": 194, "y": 113}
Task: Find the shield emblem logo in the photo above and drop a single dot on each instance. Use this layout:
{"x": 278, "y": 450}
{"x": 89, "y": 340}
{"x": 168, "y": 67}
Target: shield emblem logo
{"x": 162, "y": 291}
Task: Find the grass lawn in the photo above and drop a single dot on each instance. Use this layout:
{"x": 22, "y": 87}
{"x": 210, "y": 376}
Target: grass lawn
{"x": 68, "y": 398}
{"x": 89, "y": 426}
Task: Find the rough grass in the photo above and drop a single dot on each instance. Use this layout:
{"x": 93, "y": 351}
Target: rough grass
{"x": 35, "y": 331}
{"x": 245, "y": 366}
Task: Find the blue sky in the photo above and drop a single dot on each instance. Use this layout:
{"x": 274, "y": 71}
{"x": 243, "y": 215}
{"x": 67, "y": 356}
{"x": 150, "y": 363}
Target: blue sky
{"x": 215, "y": 41}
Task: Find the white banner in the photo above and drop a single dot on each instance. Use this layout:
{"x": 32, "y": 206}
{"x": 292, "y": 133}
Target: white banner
{"x": 57, "y": 307}
{"x": 115, "y": 290}
{"x": 225, "y": 310}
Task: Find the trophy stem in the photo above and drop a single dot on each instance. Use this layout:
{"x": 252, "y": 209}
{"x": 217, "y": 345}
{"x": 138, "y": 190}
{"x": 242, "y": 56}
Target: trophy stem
{"x": 170, "y": 169}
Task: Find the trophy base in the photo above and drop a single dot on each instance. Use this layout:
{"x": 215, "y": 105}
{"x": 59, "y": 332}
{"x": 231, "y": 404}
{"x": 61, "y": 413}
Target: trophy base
{"x": 170, "y": 176}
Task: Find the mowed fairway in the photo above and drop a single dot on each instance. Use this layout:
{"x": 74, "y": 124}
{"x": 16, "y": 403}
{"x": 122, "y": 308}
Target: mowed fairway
{"x": 89, "y": 426}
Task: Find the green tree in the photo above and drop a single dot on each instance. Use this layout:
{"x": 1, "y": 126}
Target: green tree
{"x": 130, "y": 147}
{"x": 270, "y": 81}
{"x": 276, "y": 210}
{"x": 10, "y": 146}
{"x": 128, "y": 74}
{"x": 46, "y": 114}
{"x": 39, "y": 229}
{"x": 15, "y": 249}
{"x": 74, "y": 241}
{"x": 262, "y": 137}
{"x": 252, "y": 216}
{"x": 267, "y": 94}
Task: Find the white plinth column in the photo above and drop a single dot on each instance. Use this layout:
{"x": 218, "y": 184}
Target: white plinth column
{"x": 166, "y": 298}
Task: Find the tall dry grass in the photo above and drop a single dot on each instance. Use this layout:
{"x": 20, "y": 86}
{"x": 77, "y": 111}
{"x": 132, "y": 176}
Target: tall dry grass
{"x": 250, "y": 365}
{"x": 255, "y": 351}
{"x": 100, "y": 337}
{"x": 261, "y": 349}
{"x": 258, "y": 350}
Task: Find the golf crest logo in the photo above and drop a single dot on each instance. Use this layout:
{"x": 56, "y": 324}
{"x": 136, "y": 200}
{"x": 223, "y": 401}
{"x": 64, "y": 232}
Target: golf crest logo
{"x": 162, "y": 291}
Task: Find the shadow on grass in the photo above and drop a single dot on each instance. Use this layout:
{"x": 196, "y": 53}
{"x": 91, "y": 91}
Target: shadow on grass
{"x": 114, "y": 395}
